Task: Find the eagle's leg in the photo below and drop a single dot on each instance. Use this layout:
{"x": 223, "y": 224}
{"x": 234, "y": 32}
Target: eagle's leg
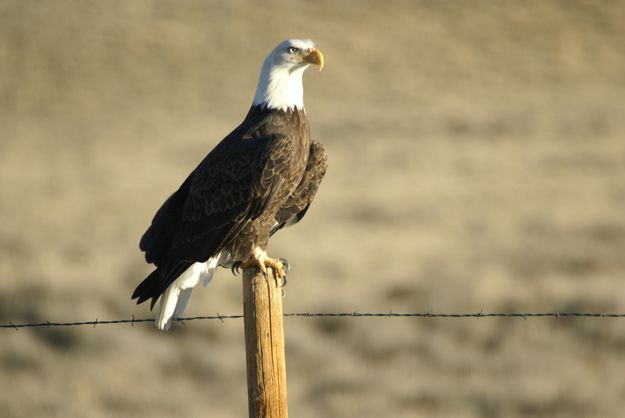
{"x": 261, "y": 261}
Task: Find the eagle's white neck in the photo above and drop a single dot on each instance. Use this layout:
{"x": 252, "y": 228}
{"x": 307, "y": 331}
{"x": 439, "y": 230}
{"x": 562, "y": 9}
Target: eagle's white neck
{"x": 280, "y": 86}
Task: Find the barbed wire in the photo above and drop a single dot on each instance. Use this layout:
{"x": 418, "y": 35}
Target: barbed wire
{"x": 390, "y": 314}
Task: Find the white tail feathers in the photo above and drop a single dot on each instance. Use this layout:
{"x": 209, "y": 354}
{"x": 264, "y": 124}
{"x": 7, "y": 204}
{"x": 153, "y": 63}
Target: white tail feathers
{"x": 211, "y": 265}
{"x": 169, "y": 300}
{"x": 174, "y": 300}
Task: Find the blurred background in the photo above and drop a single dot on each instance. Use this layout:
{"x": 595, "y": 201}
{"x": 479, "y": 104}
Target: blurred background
{"x": 477, "y": 162}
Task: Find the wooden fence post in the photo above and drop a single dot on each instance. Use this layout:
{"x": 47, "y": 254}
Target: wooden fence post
{"x": 264, "y": 345}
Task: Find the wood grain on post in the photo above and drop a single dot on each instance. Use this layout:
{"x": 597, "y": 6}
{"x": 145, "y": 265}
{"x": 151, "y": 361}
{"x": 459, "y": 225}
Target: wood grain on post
{"x": 264, "y": 345}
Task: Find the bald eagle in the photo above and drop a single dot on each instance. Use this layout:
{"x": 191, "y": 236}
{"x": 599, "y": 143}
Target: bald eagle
{"x": 260, "y": 178}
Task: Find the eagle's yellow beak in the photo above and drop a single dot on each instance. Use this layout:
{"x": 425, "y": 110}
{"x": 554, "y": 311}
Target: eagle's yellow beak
{"x": 314, "y": 57}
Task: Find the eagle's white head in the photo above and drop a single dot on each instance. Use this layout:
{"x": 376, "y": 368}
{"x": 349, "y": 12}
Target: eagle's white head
{"x": 280, "y": 83}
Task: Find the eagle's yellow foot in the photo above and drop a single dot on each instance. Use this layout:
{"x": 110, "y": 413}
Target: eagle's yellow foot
{"x": 259, "y": 260}
{"x": 278, "y": 267}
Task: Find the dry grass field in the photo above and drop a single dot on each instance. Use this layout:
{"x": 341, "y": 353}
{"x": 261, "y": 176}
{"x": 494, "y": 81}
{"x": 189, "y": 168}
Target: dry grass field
{"x": 477, "y": 161}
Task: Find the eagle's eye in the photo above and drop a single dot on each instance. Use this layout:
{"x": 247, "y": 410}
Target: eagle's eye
{"x": 292, "y": 50}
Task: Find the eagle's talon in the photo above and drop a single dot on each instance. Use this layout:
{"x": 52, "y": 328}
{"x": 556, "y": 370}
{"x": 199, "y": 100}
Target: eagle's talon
{"x": 285, "y": 264}
{"x": 236, "y": 268}
{"x": 284, "y": 281}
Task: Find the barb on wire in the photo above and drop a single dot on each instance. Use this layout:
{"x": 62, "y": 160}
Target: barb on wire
{"x": 355, "y": 314}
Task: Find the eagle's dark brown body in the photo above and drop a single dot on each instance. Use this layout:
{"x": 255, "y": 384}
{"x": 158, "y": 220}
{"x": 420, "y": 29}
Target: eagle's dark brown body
{"x": 287, "y": 155}
{"x": 261, "y": 177}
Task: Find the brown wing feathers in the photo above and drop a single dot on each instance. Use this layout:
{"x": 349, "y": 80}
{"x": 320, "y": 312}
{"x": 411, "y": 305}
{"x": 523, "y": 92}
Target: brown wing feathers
{"x": 296, "y": 206}
{"x": 211, "y": 207}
